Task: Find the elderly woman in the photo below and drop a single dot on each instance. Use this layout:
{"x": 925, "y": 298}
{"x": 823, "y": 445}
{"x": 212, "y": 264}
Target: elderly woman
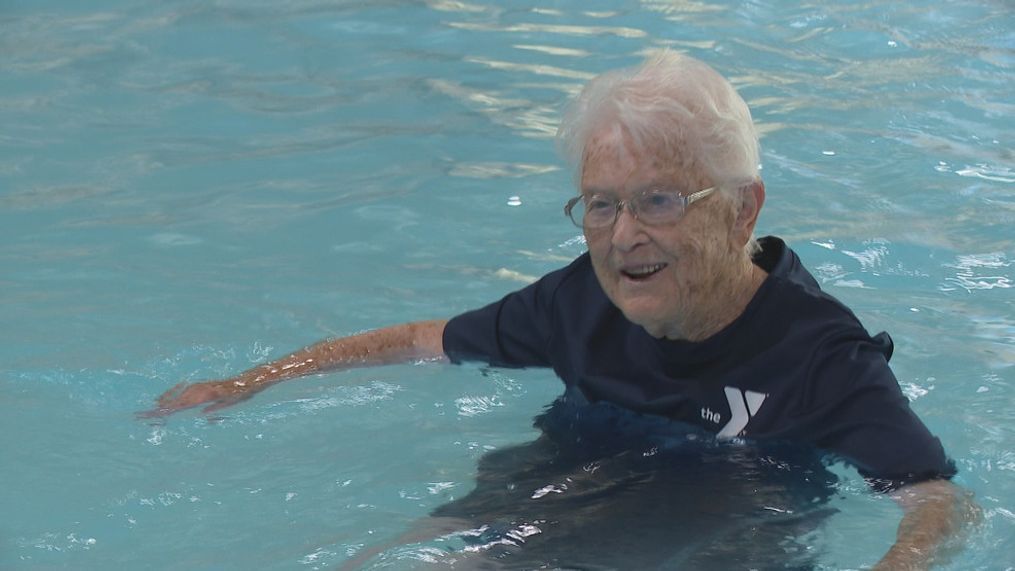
{"x": 677, "y": 313}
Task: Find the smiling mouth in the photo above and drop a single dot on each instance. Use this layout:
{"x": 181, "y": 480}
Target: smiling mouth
{"x": 642, "y": 273}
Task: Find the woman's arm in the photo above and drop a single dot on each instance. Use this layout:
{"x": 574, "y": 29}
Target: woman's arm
{"x": 937, "y": 516}
{"x": 395, "y": 344}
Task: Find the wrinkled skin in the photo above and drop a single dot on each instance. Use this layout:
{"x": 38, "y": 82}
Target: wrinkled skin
{"x": 706, "y": 278}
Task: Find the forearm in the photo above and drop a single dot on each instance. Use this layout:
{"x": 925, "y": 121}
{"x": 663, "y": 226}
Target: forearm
{"x": 935, "y": 515}
{"x": 419, "y": 340}
{"x": 395, "y": 344}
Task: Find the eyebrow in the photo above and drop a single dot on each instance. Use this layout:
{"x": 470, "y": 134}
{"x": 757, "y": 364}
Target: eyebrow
{"x": 638, "y": 190}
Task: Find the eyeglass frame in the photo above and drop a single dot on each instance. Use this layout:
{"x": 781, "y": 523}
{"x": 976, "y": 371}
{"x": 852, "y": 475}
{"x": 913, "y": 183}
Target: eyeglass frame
{"x": 685, "y": 200}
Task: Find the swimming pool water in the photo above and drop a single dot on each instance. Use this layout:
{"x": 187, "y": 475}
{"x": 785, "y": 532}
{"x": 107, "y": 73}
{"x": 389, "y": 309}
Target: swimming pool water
{"x": 188, "y": 188}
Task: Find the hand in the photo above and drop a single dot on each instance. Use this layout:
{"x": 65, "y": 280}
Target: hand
{"x": 898, "y": 560}
{"x": 219, "y": 394}
{"x": 938, "y": 517}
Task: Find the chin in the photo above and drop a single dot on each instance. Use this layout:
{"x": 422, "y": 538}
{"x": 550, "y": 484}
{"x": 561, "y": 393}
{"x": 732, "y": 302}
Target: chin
{"x": 645, "y": 316}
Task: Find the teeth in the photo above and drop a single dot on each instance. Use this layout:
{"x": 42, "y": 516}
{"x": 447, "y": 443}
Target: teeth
{"x": 645, "y": 270}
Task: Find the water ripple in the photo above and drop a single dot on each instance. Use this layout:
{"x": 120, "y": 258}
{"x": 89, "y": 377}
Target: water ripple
{"x": 987, "y": 172}
{"x": 560, "y": 29}
{"x": 980, "y": 272}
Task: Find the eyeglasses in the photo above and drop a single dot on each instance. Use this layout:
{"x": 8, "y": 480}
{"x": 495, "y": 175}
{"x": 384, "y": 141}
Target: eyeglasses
{"x": 653, "y": 207}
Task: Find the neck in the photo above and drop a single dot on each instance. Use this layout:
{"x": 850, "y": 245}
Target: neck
{"x": 723, "y": 301}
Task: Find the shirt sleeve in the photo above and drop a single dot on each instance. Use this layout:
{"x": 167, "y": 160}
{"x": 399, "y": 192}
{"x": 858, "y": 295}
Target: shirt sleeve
{"x": 513, "y": 332}
{"x": 858, "y": 411}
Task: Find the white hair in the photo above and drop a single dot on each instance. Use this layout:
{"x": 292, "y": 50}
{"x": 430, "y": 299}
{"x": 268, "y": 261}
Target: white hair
{"x": 672, "y": 104}
{"x": 674, "y": 107}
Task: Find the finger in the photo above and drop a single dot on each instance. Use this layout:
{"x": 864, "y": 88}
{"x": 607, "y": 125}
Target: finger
{"x": 152, "y": 413}
{"x": 162, "y": 411}
{"x": 219, "y": 405}
{"x": 172, "y": 394}
{"x": 224, "y": 402}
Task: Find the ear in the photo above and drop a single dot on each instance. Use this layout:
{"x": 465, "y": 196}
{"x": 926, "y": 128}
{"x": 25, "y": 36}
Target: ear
{"x": 752, "y": 198}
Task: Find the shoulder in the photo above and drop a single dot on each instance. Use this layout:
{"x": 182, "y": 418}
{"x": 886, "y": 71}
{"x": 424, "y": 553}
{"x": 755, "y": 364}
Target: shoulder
{"x": 834, "y": 352}
{"x": 795, "y": 291}
{"x": 537, "y": 301}
{"x": 559, "y": 290}
{"x": 520, "y": 328}
{"x": 574, "y": 274}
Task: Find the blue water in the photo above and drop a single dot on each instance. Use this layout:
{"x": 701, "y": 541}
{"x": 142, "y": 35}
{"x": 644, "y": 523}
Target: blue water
{"x": 188, "y": 188}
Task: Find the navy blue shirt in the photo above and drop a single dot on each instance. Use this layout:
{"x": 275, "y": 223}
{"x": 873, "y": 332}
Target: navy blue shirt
{"x": 796, "y": 365}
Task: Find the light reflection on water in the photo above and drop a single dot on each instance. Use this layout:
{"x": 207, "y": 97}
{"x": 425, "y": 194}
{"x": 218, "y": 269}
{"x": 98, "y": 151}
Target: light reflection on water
{"x": 188, "y": 188}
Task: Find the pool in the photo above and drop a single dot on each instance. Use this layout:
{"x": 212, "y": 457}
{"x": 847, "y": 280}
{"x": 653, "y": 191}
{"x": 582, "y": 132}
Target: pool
{"x": 188, "y": 188}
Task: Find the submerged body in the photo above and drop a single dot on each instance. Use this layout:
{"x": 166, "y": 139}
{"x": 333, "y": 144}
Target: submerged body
{"x": 605, "y": 488}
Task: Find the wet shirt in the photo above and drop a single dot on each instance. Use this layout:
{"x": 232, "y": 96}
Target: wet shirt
{"x": 796, "y": 365}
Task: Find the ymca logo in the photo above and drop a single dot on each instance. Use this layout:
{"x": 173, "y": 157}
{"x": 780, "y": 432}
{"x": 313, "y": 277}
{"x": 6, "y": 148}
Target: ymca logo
{"x": 743, "y": 406}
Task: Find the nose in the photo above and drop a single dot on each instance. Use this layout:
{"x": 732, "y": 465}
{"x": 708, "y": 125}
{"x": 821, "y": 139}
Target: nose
{"x": 628, "y": 232}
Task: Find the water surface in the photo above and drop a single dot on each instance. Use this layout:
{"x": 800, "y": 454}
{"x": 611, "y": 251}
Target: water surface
{"x": 188, "y": 188}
